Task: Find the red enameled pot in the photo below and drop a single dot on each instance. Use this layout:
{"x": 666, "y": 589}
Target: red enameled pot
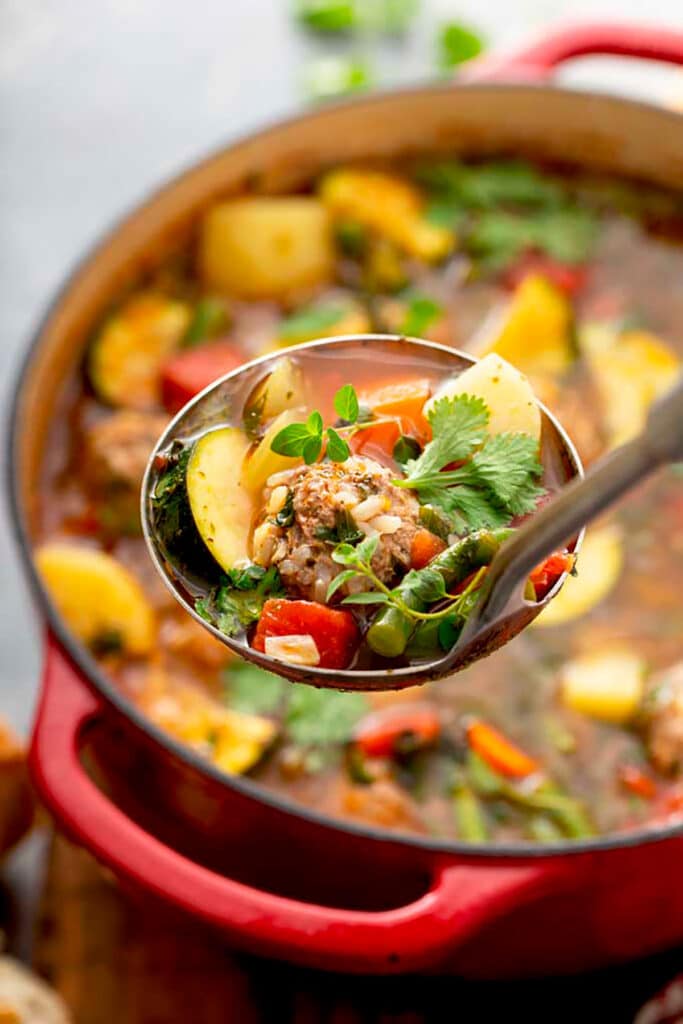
{"x": 271, "y": 876}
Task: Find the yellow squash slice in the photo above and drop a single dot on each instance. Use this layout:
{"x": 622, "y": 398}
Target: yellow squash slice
{"x": 630, "y": 370}
{"x": 266, "y": 247}
{"x": 506, "y": 391}
{"x": 126, "y": 356}
{"x": 221, "y": 506}
{"x": 263, "y": 461}
{"x": 534, "y": 332}
{"x": 389, "y": 206}
{"x": 607, "y": 685}
{"x": 599, "y": 566}
{"x": 99, "y": 599}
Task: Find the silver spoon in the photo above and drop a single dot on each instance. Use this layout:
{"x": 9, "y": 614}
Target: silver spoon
{"x": 223, "y": 403}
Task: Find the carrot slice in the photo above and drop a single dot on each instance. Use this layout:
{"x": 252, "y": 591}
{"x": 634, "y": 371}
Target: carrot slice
{"x": 498, "y": 751}
{"x": 638, "y": 782}
{"x": 378, "y": 438}
{"x": 424, "y": 547}
{"x": 404, "y": 399}
{"x": 546, "y": 575}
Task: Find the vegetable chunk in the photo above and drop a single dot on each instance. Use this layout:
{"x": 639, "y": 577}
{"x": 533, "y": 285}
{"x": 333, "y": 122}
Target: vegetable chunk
{"x": 507, "y": 393}
{"x": 333, "y": 631}
{"x": 100, "y": 600}
{"x": 126, "y": 356}
{"x": 605, "y": 684}
{"x": 221, "y": 507}
{"x": 266, "y": 247}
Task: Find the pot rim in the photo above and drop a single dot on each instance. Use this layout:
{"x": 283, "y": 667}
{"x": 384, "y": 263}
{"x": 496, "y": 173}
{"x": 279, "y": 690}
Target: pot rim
{"x": 90, "y": 672}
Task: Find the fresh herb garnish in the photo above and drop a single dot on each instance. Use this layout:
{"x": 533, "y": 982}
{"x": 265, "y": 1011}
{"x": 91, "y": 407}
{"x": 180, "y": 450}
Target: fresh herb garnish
{"x": 238, "y": 600}
{"x": 499, "y": 475}
{"x": 307, "y": 323}
{"x": 305, "y": 440}
{"x": 251, "y": 689}
{"x": 209, "y": 319}
{"x": 318, "y": 717}
{"x": 333, "y": 76}
{"x": 567, "y": 235}
{"x": 421, "y": 313}
{"x": 456, "y": 44}
{"x": 344, "y": 16}
{"x": 328, "y": 16}
{"x": 487, "y": 186}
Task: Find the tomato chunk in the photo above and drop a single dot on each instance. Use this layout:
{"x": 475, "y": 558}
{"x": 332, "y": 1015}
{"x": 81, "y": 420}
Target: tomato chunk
{"x": 545, "y": 576}
{"x": 498, "y": 751}
{"x": 334, "y": 630}
{"x": 568, "y": 277}
{"x": 424, "y": 547}
{"x": 397, "y": 730}
{"x": 186, "y": 374}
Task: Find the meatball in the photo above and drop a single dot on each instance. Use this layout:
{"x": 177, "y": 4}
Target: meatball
{"x": 116, "y": 452}
{"x": 664, "y": 725}
{"x": 309, "y": 509}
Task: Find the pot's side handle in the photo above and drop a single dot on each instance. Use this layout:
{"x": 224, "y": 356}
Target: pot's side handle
{"x": 462, "y": 897}
{"x": 538, "y": 61}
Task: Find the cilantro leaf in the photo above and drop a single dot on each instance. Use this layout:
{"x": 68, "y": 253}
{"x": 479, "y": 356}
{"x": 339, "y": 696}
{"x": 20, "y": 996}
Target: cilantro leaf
{"x": 346, "y": 403}
{"x": 306, "y": 323}
{"x": 456, "y": 43}
{"x": 489, "y": 185}
{"x": 421, "y": 313}
{"x": 458, "y": 427}
{"x": 499, "y": 237}
{"x": 238, "y": 601}
{"x": 251, "y": 689}
{"x": 316, "y": 717}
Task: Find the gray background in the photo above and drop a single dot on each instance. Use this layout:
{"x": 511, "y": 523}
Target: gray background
{"x": 101, "y": 100}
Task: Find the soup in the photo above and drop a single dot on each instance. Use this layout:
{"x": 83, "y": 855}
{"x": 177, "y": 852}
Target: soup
{"x": 350, "y": 526}
{"x": 575, "y": 728}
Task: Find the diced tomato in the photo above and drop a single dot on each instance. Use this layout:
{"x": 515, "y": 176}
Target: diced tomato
{"x": 425, "y": 546}
{"x": 545, "y": 576}
{"x": 568, "y": 277}
{"x": 334, "y": 630}
{"x": 377, "y": 439}
{"x": 184, "y": 375}
{"x": 406, "y": 400}
{"x": 498, "y": 751}
{"x": 397, "y": 730}
{"x": 636, "y": 781}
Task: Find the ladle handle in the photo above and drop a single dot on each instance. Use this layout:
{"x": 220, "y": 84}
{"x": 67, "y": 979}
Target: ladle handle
{"x": 580, "y": 501}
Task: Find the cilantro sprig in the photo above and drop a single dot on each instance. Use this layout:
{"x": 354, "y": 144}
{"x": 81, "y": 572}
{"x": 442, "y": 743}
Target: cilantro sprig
{"x": 238, "y": 600}
{"x": 305, "y": 440}
{"x": 494, "y": 479}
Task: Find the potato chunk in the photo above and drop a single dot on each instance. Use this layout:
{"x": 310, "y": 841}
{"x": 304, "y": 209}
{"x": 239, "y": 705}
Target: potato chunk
{"x": 599, "y": 564}
{"x": 100, "y": 600}
{"x": 507, "y": 393}
{"x": 267, "y": 247}
{"x": 607, "y": 685}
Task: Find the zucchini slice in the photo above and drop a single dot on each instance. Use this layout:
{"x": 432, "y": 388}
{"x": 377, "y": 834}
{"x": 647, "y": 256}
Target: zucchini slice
{"x": 221, "y": 506}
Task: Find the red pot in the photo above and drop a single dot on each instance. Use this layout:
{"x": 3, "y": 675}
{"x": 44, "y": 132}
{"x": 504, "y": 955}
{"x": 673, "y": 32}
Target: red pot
{"x": 271, "y": 876}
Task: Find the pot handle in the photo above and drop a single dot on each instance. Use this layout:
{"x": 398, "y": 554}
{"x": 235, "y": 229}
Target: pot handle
{"x": 461, "y": 899}
{"x": 536, "y": 63}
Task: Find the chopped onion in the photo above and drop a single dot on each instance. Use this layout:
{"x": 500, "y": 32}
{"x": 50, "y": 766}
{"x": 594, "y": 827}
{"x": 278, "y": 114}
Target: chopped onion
{"x": 386, "y": 524}
{"x": 297, "y": 649}
{"x": 371, "y": 507}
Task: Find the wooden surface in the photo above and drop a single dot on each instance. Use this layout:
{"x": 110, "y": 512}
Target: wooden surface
{"x": 117, "y": 960}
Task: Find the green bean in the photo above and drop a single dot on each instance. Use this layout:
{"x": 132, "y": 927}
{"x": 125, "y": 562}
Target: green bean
{"x": 391, "y": 630}
{"x": 469, "y": 815}
{"x": 543, "y": 829}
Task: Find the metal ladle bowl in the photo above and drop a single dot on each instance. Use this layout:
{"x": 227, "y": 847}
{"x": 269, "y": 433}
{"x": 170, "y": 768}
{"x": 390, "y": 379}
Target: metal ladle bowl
{"x": 222, "y": 404}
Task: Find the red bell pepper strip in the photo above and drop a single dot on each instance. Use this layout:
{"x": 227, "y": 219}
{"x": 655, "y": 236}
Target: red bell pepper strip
{"x": 498, "y": 751}
{"x": 334, "y": 630}
{"x": 545, "y": 576}
{"x": 569, "y": 278}
{"x": 396, "y": 730}
{"x": 184, "y": 375}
